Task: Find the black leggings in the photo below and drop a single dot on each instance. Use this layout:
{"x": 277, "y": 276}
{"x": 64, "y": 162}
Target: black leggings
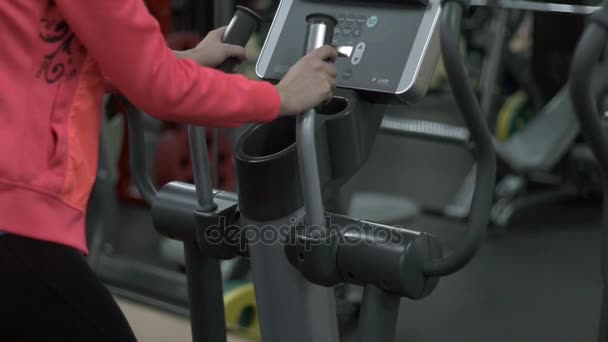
{"x": 48, "y": 292}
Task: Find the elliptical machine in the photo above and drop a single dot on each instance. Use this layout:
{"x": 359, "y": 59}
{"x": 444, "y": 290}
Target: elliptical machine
{"x": 288, "y": 169}
{"x": 583, "y": 78}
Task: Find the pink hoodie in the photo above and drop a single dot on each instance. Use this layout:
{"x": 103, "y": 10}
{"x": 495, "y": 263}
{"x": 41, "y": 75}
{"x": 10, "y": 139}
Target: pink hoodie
{"x": 51, "y": 91}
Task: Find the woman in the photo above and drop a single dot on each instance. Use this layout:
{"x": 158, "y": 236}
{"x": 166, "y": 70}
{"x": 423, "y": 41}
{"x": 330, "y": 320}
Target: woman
{"x": 57, "y": 58}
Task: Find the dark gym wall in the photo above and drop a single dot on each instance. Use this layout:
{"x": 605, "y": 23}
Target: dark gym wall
{"x": 555, "y": 37}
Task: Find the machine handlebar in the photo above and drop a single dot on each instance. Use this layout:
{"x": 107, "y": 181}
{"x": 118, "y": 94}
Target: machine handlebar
{"x": 137, "y": 152}
{"x": 243, "y": 25}
{"x": 320, "y": 32}
{"x": 483, "y": 149}
{"x": 585, "y": 60}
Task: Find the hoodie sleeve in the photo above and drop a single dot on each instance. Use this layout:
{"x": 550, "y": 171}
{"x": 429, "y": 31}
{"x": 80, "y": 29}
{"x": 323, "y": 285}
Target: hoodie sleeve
{"x": 127, "y": 43}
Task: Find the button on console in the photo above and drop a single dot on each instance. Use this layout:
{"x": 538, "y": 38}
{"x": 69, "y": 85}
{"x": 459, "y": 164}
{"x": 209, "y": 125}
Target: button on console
{"x": 347, "y": 74}
{"x": 358, "y": 53}
{"x": 372, "y": 21}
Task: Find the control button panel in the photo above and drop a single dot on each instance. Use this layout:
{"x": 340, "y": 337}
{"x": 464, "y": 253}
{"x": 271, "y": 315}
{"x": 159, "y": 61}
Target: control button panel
{"x": 353, "y": 26}
{"x": 386, "y": 41}
{"x": 352, "y": 30}
{"x": 358, "y": 53}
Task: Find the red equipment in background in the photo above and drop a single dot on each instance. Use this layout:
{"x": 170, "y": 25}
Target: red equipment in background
{"x": 173, "y": 161}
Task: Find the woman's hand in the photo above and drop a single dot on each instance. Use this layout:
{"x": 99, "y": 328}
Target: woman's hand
{"x": 212, "y": 52}
{"x": 310, "y": 82}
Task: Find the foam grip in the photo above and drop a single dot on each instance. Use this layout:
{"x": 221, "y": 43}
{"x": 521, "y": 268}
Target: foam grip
{"x": 241, "y": 312}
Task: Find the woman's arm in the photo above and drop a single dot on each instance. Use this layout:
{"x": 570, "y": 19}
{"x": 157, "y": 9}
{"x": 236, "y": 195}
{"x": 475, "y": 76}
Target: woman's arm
{"x": 127, "y": 43}
{"x": 180, "y": 54}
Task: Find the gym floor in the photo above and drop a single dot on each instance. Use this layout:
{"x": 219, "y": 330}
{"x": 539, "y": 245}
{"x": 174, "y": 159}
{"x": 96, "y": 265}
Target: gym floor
{"x": 537, "y": 281}
{"x": 534, "y": 282}
{"x": 151, "y": 325}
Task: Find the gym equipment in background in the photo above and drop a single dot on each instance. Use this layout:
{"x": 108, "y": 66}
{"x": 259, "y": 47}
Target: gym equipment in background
{"x": 537, "y": 134}
{"x": 542, "y": 161}
{"x": 287, "y": 169}
{"x": 585, "y": 74}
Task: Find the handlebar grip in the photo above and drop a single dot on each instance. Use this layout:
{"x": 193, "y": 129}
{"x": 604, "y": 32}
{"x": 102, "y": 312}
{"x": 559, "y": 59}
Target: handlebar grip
{"x": 320, "y": 31}
{"x": 242, "y": 26}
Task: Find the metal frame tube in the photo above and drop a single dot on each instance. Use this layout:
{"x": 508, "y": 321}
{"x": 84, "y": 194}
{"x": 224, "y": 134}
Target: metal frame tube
{"x": 320, "y": 32}
{"x": 492, "y": 67}
{"x": 200, "y": 163}
{"x": 483, "y": 146}
{"x": 585, "y": 59}
{"x": 379, "y": 314}
{"x": 137, "y": 152}
{"x": 309, "y": 169}
{"x": 205, "y": 295}
{"x": 536, "y": 6}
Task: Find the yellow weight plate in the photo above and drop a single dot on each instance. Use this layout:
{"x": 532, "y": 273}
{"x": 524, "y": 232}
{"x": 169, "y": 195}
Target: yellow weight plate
{"x": 508, "y": 114}
{"x": 241, "y": 313}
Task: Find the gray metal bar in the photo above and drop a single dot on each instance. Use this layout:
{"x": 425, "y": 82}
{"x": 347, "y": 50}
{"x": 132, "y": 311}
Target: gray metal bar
{"x": 309, "y": 169}
{"x": 103, "y": 208}
{"x": 537, "y": 6}
{"x": 137, "y": 152}
{"x": 435, "y": 131}
{"x": 490, "y": 72}
{"x": 584, "y": 100}
{"x": 205, "y": 295}
{"x": 484, "y": 152}
{"x": 320, "y": 32}
{"x": 290, "y": 308}
{"x": 200, "y": 164}
{"x": 379, "y": 314}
